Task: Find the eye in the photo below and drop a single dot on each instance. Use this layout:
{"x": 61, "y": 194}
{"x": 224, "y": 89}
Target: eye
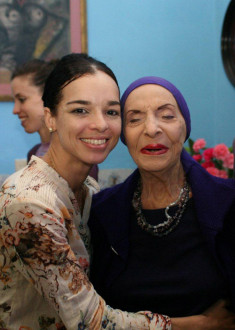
{"x": 168, "y": 117}
{"x": 113, "y": 113}
{"x": 134, "y": 120}
{"x": 79, "y": 111}
{"x": 21, "y": 99}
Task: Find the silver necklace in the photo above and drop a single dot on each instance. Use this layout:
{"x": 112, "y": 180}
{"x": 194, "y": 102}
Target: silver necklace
{"x": 171, "y": 222}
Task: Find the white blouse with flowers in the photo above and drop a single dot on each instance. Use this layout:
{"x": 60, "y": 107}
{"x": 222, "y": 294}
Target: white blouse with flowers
{"x": 44, "y": 258}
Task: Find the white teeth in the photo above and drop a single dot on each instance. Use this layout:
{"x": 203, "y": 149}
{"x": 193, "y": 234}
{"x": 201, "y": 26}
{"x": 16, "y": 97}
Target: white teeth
{"x": 91, "y": 141}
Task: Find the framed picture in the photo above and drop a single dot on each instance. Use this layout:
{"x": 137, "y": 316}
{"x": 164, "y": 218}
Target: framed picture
{"x": 44, "y": 29}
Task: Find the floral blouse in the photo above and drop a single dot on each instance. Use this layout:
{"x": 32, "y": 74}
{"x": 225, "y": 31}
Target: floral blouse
{"x": 44, "y": 258}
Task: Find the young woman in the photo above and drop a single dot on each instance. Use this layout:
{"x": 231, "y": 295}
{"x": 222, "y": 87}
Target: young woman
{"x": 44, "y": 210}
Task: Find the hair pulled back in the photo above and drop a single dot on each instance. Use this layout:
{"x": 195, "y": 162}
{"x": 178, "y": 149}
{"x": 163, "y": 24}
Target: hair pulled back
{"x": 37, "y": 71}
{"x": 68, "y": 69}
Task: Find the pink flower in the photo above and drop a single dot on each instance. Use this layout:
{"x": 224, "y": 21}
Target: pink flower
{"x": 223, "y": 174}
{"x": 197, "y": 157}
{"x": 208, "y": 164}
{"x": 199, "y": 144}
{"x": 208, "y": 154}
{"x": 229, "y": 161}
{"x": 220, "y": 151}
{"x": 213, "y": 171}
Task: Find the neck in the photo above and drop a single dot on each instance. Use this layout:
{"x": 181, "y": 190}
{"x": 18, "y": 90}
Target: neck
{"x": 44, "y": 134}
{"x": 71, "y": 170}
{"x": 161, "y": 189}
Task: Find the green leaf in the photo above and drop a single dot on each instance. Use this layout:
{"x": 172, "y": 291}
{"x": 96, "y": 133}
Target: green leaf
{"x": 190, "y": 144}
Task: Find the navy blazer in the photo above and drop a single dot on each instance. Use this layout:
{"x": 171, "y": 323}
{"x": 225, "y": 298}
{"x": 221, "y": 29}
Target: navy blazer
{"x": 214, "y": 200}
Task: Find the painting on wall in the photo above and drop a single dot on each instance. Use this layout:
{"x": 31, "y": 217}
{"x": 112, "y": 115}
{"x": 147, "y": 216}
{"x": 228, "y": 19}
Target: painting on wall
{"x": 43, "y": 29}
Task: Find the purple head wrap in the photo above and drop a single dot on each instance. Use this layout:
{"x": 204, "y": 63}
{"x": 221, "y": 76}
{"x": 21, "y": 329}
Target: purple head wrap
{"x": 170, "y": 87}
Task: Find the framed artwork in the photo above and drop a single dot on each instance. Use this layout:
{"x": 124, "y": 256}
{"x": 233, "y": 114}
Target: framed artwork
{"x": 44, "y": 29}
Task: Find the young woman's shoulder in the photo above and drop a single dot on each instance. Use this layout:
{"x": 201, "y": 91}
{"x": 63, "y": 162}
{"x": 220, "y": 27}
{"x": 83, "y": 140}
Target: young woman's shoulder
{"x": 36, "y": 182}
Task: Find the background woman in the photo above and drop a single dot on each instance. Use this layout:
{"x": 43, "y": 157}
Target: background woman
{"x": 27, "y": 84}
{"x": 163, "y": 239}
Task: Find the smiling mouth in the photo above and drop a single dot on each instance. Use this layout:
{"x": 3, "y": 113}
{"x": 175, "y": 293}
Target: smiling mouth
{"x": 95, "y": 141}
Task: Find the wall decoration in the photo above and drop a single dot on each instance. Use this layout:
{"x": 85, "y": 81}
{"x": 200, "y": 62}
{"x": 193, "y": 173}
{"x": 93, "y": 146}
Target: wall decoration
{"x": 228, "y": 42}
{"x": 44, "y": 29}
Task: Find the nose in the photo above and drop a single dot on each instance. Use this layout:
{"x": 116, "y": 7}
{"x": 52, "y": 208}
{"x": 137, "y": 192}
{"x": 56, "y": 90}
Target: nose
{"x": 152, "y": 126}
{"x": 16, "y": 109}
{"x": 99, "y": 122}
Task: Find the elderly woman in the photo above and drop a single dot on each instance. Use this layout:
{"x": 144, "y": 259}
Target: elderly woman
{"x": 163, "y": 239}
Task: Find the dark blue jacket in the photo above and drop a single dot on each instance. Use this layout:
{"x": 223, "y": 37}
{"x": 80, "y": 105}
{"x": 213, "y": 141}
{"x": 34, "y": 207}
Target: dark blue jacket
{"x": 214, "y": 200}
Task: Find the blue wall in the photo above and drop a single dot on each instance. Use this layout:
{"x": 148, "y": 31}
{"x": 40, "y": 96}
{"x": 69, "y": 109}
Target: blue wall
{"x": 176, "y": 39}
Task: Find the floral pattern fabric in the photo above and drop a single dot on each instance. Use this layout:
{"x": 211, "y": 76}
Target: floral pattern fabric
{"x": 44, "y": 258}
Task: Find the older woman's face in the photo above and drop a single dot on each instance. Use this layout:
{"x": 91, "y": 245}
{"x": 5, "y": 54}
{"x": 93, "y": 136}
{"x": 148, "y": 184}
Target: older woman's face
{"x": 154, "y": 128}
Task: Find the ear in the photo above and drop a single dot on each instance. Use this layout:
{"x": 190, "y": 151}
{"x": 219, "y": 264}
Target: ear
{"x": 50, "y": 120}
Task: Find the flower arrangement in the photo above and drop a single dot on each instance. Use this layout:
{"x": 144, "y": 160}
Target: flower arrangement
{"x": 217, "y": 161}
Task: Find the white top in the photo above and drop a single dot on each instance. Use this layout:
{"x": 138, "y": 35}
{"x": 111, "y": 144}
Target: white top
{"x": 44, "y": 258}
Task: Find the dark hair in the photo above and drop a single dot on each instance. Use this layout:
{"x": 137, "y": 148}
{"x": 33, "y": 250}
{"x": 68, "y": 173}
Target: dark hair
{"x": 37, "y": 70}
{"x": 68, "y": 69}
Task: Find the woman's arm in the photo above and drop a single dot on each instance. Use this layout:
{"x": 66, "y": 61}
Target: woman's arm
{"x": 35, "y": 236}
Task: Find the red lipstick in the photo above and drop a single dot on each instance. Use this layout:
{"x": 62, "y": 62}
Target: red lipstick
{"x": 154, "y": 149}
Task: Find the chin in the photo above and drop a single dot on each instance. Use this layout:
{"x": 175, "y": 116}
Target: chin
{"x": 152, "y": 167}
{"x": 29, "y": 130}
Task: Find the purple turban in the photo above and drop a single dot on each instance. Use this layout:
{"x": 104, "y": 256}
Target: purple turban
{"x": 170, "y": 87}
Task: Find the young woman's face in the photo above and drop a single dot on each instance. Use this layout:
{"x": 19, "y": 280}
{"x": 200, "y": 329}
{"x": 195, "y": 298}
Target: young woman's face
{"x": 28, "y": 103}
{"x": 154, "y": 128}
{"x": 88, "y": 123}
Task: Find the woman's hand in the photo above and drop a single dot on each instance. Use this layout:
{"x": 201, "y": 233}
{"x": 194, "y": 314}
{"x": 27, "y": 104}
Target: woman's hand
{"x": 217, "y": 317}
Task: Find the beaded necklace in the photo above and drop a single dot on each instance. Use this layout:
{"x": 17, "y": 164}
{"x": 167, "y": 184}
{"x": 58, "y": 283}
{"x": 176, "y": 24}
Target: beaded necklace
{"x": 168, "y": 225}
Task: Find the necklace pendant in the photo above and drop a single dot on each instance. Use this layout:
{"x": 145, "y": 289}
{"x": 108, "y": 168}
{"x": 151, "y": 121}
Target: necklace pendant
{"x": 166, "y": 212}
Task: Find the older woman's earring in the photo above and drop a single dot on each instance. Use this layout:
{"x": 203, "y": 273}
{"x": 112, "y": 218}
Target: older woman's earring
{"x": 51, "y": 130}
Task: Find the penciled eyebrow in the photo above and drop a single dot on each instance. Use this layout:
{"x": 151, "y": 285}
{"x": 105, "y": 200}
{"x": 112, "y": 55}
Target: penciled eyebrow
{"x": 83, "y": 102}
{"x": 166, "y": 105}
{"x": 135, "y": 111}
